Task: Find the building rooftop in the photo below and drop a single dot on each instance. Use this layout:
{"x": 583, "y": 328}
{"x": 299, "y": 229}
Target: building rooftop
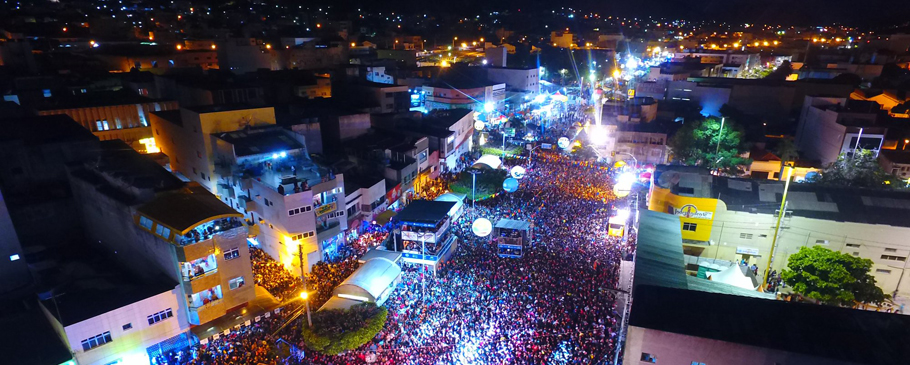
{"x": 49, "y": 129}
{"x": 91, "y": 284}
{"x": 257, "y": 141}
{"x": 445, "y": 118}
{"x": 203, "y": 109}
{"x": 187, "y": 208}
{"x": 172, "y": 116}
{"x": 838, "y": 334}
{"x": 738, "y": 316}
{"x": 93, "y": 99}
{"x": 425, "y": 212}
{"x": 28, "y": 338}
{"x": 843, "y": 204}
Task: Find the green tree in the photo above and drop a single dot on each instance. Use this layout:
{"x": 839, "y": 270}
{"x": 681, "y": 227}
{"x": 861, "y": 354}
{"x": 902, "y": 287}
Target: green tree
{"x": 786, "y": 150}
{"x": 336, "y": 330}
{"x": 696, "y": 144}
{"x": 859, "y": 171}
{"x": 781, "y": 72}
{"x": 489, "y": 182}
{"x": 832, "y": 277}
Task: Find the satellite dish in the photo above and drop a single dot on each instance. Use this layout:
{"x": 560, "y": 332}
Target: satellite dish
{"x": 563, "y": 142}
{"x": 510, "y": 185}
{"x": 518, "y": 172}
{"x": 482, "y": 227}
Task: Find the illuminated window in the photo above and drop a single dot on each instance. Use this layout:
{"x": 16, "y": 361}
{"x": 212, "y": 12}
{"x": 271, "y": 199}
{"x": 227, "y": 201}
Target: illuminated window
{"x": 163, "y": 231}
{"x": 160, "y": 316}
{"x": 232, "y": 254}
{"x": 14, "y": 257}
{"x": 145, "y": 223}
{"x": 93, "y": 342}
{"x": 236, "y": 282}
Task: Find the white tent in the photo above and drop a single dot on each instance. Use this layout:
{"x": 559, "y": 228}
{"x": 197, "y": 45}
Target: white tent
{"x": 488, "y": 161}
{"x": 372, "y": 282}
{"x": 733, "y": 275}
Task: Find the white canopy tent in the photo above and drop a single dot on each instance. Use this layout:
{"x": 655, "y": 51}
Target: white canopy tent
{"x": 734, "y": 275}
{"x": 488, "y": 161}
{"x": 372, "y": 282}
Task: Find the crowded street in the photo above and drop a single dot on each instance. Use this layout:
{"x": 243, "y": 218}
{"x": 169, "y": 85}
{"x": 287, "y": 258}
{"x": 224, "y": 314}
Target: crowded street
{"x": 554, "y": 305}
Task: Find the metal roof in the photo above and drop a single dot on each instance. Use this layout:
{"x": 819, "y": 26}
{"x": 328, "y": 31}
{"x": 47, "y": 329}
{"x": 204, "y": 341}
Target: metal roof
{"x": 372, "y": 279}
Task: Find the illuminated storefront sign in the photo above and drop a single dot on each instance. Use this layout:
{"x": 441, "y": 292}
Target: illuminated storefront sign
{"x": 690, "y": 211}
{"x": 326, "y": 209}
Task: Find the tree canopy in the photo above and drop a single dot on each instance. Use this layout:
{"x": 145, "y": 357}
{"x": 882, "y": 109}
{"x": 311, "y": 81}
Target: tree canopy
{"x": 696, "y": 143}
{"x": 861, "y": 170}
{"x": 781, "y": 72}
{"x": 832, "y": 277}
{"x": 336, "y": 330}
{"x": 489, "y": 182}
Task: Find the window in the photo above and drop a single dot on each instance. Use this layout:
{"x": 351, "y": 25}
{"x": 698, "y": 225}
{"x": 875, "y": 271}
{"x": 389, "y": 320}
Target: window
{"x": 267, "y": 202}
{"x": 697, "y": 363}
{"x": 882, "y": 271}
{"x": 232, "y": 254}
{"x": 160, "y": 316}
{"x": 47, "y": 93}
{"x": 646, "y": 357}
{"x": 163, "y": 231}
{"x": 92, "y": 342}
{"x": 852, "y": 245}
{"x": 145, "y": 223}
{"x": 890, "y": 250}
{"x": 236, "y": 282}
{"x": 745, "y": 236}
{"x": 127, "y": 326}
{"x": 14, "y": 257}
{"x": 296, "y": 211}
{"x": 894, "y": 258}
{"x": 821, "y": 242}
{"x": 855, "y": 253}
{"x": 689, "y": 227}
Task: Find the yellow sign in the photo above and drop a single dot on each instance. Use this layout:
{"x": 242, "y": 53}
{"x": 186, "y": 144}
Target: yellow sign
{"x": 326, "y": 209}
{"x": 631, "y": 93}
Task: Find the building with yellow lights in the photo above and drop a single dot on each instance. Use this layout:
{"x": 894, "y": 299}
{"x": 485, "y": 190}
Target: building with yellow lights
{"x": 187, "y": 248}
{"x": 733, "y": 220}
{"x": 121, "y": 115}
{"x": 263, "y": 172}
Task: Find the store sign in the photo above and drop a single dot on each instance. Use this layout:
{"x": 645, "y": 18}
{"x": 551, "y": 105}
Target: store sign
{"x": 747, "y": 251}
{"x": 418, "y": 236}
{"x": 690, "y": 211}
{"x": 326, "y": 209}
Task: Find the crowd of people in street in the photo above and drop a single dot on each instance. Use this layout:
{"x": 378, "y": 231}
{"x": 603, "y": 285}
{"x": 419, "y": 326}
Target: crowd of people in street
{"x": 555, "y": 304}
{"x": 272, "y": 276}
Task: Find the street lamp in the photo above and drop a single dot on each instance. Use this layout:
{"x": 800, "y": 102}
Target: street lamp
{"x": 305, "y": 296}
{"x": 473, "y": 173}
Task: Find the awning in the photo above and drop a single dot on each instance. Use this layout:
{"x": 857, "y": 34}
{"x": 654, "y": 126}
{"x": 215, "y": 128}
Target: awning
{"x": 385, "y": 217}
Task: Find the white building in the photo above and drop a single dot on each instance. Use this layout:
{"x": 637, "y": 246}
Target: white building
{"x": 827, "y": 131}
{"x": 266, "y": 174}
{"x": 516, "y": 79}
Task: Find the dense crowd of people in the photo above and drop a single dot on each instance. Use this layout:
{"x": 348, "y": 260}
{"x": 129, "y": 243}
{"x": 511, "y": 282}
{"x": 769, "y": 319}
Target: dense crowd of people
{"x": 555, "y": 304}
{"x": 272, "y": 275}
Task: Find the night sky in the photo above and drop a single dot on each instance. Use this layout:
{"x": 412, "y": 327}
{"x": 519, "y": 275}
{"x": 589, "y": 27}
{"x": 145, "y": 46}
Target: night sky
{"x": 797, "y": 12}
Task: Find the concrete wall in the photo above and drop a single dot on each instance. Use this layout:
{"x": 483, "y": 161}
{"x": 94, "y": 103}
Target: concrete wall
{"x": 673, "y": 348}
{"x": 127, "y": 344}
{"x": 13, "y": 268}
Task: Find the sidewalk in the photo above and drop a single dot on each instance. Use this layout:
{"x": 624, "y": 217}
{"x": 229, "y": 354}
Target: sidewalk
{"x": 263, "y": 302}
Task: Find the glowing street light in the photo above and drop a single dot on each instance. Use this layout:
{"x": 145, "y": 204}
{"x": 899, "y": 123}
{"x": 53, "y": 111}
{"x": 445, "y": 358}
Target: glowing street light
{"x": 305, "y": 296}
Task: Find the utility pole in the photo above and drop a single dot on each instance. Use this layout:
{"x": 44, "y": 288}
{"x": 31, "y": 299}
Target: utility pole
{"x": 720, "y": 135}
{"x": 305, "y": 294}
{"x": 780, "y": 216}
